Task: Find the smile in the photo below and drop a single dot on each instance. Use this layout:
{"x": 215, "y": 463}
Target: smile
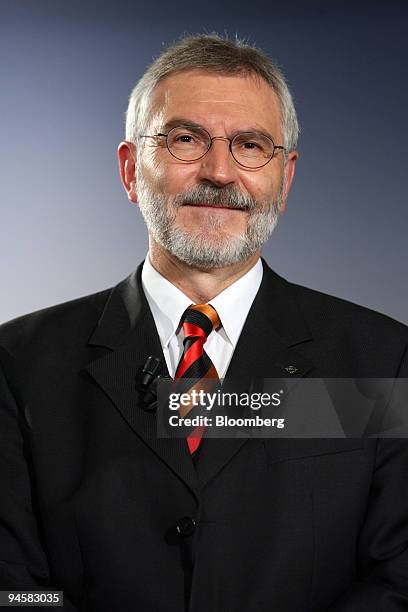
{"x": 217, "y": 206}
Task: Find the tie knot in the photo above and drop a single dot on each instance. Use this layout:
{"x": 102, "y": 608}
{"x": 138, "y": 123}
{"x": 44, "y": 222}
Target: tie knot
{"x": 199, "y": 320}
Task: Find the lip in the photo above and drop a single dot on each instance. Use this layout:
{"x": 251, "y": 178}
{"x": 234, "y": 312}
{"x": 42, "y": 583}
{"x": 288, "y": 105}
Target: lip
{"x": 212, "y": 206}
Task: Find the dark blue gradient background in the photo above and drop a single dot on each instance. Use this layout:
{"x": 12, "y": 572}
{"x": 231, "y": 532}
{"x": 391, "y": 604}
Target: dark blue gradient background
{"x": 67, "y": 68}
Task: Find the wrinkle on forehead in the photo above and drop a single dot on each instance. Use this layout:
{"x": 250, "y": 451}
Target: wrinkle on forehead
{"x": 190, "y": 91}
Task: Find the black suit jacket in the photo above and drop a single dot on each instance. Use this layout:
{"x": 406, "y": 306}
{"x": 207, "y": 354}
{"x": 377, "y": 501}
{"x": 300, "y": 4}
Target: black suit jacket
{"x": 92, "y": 502}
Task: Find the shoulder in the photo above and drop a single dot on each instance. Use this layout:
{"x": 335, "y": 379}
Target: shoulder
{"x": 65, "y": 322}
{"x": 346, "y": 337}
{"x": 320, "y": 308}
{"x": 324, "y": 310}
{"x": 374, "y": 342}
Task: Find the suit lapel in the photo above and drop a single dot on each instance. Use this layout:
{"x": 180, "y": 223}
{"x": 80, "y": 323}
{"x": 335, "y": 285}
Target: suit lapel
{"x": 127, "y": 328}
{"x": 266, "y": 349}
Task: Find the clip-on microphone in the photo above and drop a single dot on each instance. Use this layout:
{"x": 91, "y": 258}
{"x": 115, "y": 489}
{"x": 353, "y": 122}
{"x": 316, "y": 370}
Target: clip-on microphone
{"x": 146, "y": 382}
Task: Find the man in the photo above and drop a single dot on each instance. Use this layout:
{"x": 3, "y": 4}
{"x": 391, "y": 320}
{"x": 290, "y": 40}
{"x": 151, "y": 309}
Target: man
{"x": 94, "y": 503}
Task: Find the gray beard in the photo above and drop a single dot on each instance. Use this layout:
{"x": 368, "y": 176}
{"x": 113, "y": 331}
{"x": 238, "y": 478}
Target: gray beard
{"x": 203, "y": 249}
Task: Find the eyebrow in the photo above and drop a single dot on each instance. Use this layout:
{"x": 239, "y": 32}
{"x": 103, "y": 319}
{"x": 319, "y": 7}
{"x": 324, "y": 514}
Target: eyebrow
{"x": 172, "y": 123}
{"x": 180, "y": 121}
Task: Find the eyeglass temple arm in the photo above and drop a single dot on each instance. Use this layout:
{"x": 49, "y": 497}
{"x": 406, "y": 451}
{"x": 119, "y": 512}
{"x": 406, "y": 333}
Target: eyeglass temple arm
{"x": 152, "y": 135}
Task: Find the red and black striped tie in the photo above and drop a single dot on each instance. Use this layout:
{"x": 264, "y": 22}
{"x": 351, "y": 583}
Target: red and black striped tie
{"x": 198, "y": 322}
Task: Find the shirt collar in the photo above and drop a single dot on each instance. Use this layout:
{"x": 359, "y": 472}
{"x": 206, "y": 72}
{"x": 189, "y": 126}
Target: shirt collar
{"x": 168, "y": 303}
{"x": 233, "y": 304}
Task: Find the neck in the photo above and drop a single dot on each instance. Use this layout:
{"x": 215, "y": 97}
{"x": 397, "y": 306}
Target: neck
{"x": 199, "y": 285}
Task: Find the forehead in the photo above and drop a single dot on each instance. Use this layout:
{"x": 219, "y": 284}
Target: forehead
{"x": 216, "y": 100}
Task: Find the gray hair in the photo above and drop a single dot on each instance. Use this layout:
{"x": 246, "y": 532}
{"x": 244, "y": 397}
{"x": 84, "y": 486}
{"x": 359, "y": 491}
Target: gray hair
{"x": 214, "y": 54}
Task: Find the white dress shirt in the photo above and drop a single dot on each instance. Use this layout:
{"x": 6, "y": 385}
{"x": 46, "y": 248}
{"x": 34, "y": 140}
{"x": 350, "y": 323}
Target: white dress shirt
{"x": 168, "y": 303}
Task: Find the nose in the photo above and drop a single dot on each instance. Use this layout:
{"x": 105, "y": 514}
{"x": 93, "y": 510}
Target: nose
{"x": 218, "y": 166}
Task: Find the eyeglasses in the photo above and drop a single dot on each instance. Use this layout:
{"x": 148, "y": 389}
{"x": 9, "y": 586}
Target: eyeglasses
{"x": 249, "y": 149}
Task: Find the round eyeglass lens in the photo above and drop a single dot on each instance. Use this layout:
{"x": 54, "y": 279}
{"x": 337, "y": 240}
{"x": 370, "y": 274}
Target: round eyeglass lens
{"x": 252, "y": 149}
{"x": 188, "y": 144}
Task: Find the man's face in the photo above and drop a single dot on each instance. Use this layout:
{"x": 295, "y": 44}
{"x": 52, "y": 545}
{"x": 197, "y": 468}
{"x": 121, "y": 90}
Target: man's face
{"x": 211, "y": 212}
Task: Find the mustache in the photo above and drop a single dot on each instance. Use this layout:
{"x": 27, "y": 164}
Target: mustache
{"x": 228, "y": 197}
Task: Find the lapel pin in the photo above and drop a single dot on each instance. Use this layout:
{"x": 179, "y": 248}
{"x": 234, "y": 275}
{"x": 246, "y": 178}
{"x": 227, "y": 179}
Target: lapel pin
{"x": 291, "y": 369}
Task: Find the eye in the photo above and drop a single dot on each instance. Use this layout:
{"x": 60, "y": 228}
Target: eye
{"x": 188, "y": 138}
{"x": 185, "y": 138}
{"x": 250, "y": 145}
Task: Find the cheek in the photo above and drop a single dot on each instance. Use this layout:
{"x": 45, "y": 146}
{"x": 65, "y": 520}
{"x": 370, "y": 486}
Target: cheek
{"x": 168, "y": 176}
{"x": 256, "y": 187}
{"x": 152, "y": 168}
{"x": 262, "y": 185}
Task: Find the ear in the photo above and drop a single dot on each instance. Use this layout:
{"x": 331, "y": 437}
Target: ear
{"x": 127, "y": 168}
{"x": 289, "y": 171}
